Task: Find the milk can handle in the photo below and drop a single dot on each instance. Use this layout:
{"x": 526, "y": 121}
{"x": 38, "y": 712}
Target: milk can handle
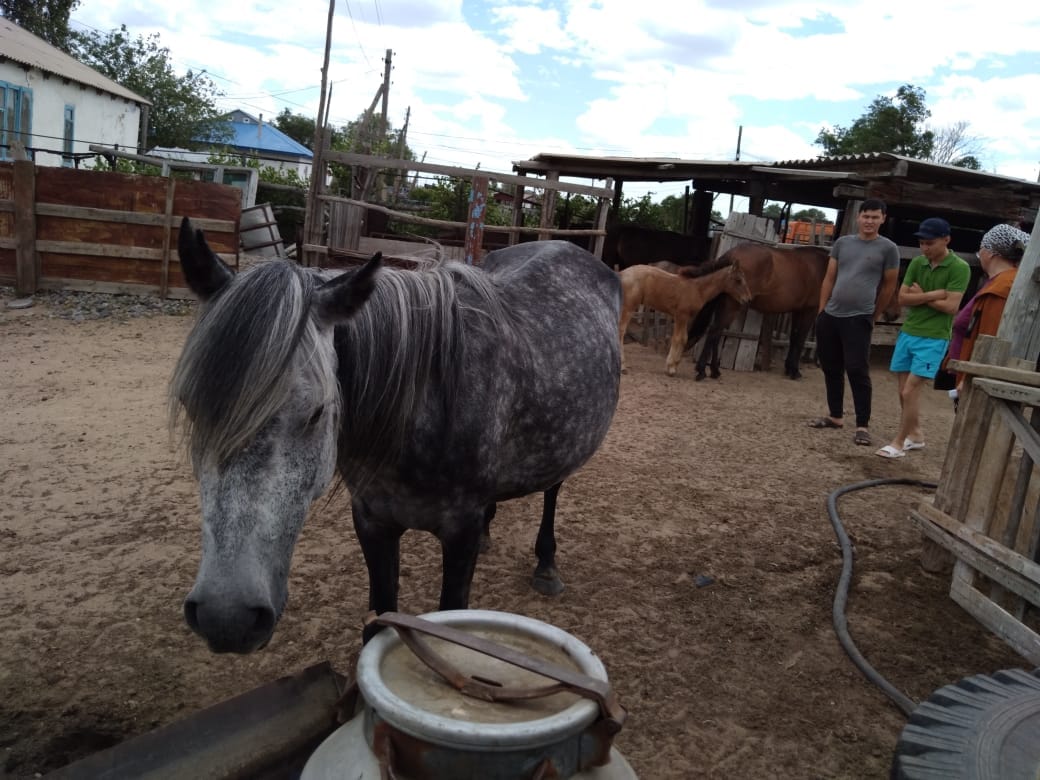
{"x": 408, "y": 627}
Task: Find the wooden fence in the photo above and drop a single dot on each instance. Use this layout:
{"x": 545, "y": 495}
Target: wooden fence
{"x": 986, "y": 511}
{"x": 64, "y": 228}
{"x": 343, "y": 216}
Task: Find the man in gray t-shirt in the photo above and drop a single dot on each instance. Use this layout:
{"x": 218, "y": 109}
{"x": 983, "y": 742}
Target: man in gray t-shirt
{"x": 861, "y": 276}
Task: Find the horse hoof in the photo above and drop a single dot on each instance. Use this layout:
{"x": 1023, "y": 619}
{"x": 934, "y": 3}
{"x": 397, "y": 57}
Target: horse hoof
{"x": 547, "y": 584}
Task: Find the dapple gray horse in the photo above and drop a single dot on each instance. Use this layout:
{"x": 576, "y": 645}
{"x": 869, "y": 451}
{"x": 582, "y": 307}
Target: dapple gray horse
{"x": 434, "y": 392}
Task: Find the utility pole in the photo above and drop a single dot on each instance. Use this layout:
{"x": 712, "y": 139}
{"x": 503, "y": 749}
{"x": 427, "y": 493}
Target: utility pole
{"x": 312, "y": 230}
{"x": 740, "y": 134}
{"x": 402, "y": 144}
{"x": 383, "y": 92}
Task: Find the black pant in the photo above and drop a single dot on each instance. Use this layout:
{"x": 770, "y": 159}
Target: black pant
{"x": 843, "y": 347}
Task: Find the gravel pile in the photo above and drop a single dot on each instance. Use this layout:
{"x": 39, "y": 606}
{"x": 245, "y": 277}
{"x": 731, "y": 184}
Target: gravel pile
{"x": 83, "y": 306}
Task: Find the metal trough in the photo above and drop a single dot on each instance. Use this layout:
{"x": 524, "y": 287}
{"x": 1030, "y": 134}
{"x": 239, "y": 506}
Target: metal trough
{"x": 268, "y": 732}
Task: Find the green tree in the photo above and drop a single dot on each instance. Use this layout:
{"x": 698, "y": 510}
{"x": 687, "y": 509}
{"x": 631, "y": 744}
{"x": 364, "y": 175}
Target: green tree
{"x": 808, "y": 215}
{"x": 47, "y": 19}
{"x": 183, "y": 107}
{"x": 889, "y": 125}
{"x": 772, "y": 210}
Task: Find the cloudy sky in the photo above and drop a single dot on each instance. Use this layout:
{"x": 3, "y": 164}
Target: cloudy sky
{"x": 493, "y": 81}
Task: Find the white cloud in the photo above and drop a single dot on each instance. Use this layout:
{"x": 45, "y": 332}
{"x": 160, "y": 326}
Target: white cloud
{"x": 640, "y": 77}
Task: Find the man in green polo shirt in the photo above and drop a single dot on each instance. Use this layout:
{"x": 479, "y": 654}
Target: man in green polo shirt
{"x": 932, "y": 288}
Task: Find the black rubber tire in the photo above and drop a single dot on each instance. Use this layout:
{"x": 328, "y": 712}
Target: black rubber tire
{"x": 985, "y": 727}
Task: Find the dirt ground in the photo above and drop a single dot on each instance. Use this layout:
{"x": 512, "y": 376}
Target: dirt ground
{"x": 736, "y": 679}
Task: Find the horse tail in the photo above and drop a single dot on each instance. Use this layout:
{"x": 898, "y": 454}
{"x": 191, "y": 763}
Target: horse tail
{"x": 699, "y": 325}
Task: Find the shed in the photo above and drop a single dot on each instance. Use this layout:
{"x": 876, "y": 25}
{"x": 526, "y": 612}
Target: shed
{"x": 972, "y": 201}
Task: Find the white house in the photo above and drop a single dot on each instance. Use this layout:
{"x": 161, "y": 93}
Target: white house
{"x": 57, "y": 106}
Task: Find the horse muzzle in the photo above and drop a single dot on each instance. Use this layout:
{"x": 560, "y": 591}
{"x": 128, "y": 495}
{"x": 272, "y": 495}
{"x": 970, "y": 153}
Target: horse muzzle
{"x": 229, "y": 627}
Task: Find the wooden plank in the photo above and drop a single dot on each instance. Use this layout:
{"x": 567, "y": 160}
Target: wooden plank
{"x": 371, "y": 161}
{"x": 1025, "y": 641}
{"x": 747, "y": 347}
{"x": 548, "y": 211}
{"x": 27, "y": 262}
{"x": 114, "y": 288}
{"x": 1016, "y": 375}
{"x": 1013, "y": 570}
{"x": 964, "y": 450}
{"x": 164, "y": 283}
{"x": 473, "y": 248}
{"x": 1020, "y": 323}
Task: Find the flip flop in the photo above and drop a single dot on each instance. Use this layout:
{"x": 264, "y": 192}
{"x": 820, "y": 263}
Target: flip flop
{"x": 862, "y": 438}
{"x": 824, "y": 422}
{"x": 910, "y": 444}
{"x": 888, "y": 451}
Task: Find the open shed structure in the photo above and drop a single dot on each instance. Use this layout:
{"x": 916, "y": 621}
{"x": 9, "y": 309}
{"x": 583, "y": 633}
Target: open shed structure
{"x": 972, "y": 201}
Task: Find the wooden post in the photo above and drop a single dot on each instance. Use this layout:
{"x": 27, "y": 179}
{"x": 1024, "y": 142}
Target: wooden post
{"x": 602, "y": 212}
{"x": 27, "y": 260}
{"x": 548, "y": 206}
{"x": 518, "y": 211}
{"x": 1020, "y": 324}
{"x": 475, "y": 228}
{"x": 312, "y": 220}
{"x": 164, "y": 274}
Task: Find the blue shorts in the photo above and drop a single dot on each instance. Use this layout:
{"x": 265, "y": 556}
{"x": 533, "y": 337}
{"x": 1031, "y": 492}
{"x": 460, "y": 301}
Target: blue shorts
{"x": 918, "y": 355}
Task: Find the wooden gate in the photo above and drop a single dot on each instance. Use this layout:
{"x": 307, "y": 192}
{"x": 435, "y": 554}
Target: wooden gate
{"x": 986, "y": 511}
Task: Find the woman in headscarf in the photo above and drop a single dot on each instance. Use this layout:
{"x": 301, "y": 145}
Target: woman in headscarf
{"x": 1000, "y": 252}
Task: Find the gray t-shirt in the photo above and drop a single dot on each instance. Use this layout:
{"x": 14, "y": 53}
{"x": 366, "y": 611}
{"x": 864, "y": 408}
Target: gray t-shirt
{"x": 861, "y": 265}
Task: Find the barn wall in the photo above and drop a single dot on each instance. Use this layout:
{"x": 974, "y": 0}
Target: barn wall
{"x": 106, "y": 231}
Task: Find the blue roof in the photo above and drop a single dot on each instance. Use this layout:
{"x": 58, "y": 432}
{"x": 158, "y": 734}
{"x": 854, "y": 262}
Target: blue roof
{"x": 250, "y": 133}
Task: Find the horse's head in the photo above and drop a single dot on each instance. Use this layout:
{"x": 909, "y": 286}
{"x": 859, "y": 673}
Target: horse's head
{"x": 256, "y": 386}
{"x": 736, "y": 285}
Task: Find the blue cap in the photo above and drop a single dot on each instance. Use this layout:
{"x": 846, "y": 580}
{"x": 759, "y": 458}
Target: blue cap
{"x": 933, "y": 227}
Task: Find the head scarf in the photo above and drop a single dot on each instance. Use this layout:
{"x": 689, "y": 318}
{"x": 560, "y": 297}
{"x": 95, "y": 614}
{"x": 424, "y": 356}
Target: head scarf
{"x": 1002, "y": 239}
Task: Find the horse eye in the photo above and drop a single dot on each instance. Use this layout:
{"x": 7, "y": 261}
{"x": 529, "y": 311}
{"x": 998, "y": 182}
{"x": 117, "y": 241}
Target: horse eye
{"x": 316, "y": 417}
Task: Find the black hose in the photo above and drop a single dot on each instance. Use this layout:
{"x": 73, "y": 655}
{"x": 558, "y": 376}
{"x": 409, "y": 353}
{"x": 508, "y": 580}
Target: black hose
{"x": 902, "y": 701}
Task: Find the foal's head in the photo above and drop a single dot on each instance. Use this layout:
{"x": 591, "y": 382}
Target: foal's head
{"x": 735, "y": 284}
{"x": 256, "y": 389}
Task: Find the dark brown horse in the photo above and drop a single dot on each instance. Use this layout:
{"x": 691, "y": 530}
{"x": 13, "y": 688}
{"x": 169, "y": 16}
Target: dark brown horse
{"x": 628, "y": 245}
{"x": 781, "y": 280}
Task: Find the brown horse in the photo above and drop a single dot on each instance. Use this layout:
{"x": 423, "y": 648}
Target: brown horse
{"x": 781, "y": 280}
{"x": 681, "y": 295}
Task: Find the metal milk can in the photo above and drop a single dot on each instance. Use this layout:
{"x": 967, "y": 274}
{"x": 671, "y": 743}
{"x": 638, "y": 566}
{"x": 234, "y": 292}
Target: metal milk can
{"x": 476, "y": 694}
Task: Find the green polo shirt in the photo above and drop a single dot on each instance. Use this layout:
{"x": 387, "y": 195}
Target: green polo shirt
{"x": 951, "y": 274}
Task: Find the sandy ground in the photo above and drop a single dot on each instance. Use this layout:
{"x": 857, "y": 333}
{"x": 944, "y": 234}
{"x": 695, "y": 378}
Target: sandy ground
{"x": 740, "y": 678}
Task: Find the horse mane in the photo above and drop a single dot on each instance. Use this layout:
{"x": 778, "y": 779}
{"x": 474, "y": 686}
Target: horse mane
{"x": 232, "y": 374}
{"x": 696, "y": 271}
{"x": 411, "y": 335}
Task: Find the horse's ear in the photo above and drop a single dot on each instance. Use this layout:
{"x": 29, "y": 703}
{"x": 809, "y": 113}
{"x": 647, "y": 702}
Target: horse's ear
{"x": 339, "y": 298}
{"x": 205, "y": 273}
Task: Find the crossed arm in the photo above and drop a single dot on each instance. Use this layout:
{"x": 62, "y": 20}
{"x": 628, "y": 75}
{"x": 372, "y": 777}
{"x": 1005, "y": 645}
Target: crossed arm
{"x": 946, "y": 301}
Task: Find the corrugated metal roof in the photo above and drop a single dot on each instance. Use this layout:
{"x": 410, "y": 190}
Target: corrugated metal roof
{"x": 20, "y": 45}
{"x": 250, "y": 133}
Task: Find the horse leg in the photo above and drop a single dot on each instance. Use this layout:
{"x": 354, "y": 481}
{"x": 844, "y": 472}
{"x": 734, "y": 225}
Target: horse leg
{"x": 800, "y": 324}
{"x": 381, "y": 546}
{"x": 546, "y": 578}
{"x": 626, "y": 316}
{"x": 460, "y": 545}
{"x": 677, "y": 347}
{"x": 485, "y": 534}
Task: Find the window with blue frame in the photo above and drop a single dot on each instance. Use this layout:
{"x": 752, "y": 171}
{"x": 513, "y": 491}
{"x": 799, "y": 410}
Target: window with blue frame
{"x": 15, "y": 117}
{"x": 67, "y": 159}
